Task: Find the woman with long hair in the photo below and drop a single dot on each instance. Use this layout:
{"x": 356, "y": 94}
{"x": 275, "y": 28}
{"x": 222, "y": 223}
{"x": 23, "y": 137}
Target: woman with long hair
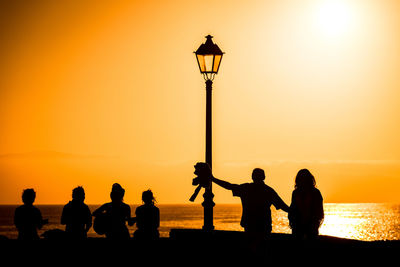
{"x": 306, "y": 209}
{"x": 147, "y": 218}
{"x": 112, "y": 217}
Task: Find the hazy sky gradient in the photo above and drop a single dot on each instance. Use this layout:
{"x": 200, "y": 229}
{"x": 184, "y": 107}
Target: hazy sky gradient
{"x": 96, "y": 92}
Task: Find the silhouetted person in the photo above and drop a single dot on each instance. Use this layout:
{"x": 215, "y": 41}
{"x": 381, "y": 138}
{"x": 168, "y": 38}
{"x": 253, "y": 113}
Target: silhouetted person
{"x": 306, "y": 210}
{"x": 257, "y": 198}
{"x": 116, "y": 213}
{"x": 28, "y": 218}
{"x": 147, "y": 218}
{"x": 76, "y": 215}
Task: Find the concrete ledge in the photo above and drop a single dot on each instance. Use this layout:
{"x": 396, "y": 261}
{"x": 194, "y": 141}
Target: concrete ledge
{"x": 190, "y": 246}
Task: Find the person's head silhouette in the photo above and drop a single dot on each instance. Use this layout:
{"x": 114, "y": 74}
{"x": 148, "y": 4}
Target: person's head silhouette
{"x": 147, "y": 197}
{"x": 78, "y": 194}
{"x": 117, "y": 193}
{"x": 28, "y": 196}
{"x": 304, "y": 180}
{"x": 258, "y": 175}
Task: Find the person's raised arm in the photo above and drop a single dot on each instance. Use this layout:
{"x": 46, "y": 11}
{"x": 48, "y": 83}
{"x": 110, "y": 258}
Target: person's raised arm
{"x": 222, "y": 183}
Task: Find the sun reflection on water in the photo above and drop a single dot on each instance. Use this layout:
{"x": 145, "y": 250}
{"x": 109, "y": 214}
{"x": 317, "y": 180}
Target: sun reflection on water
{"x": 342, "y": 226}
{"x": 361, "y": 221}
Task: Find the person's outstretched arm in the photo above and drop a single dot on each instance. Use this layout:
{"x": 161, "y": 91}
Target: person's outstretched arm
{"x": 223, "y": 184}
{"x": 279, "y": 203}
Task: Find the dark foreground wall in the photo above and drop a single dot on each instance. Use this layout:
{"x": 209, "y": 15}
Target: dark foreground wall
{"x": 195, "y": 248}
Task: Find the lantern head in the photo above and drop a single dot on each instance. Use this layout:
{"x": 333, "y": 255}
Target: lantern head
{"x": 209, "y": 57}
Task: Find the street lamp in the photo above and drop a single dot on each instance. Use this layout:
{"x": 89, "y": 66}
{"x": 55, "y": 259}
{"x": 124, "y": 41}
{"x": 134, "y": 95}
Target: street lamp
{"x": 209, "y": 57}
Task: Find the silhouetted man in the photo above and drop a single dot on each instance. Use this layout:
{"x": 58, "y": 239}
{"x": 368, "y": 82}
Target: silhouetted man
{"x": 28, "y": 218}
{"x": 76, "y": 215}
{"x": 257, "y": 198}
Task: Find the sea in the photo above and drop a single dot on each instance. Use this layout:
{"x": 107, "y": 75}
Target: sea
{"x": 361, "y": 221}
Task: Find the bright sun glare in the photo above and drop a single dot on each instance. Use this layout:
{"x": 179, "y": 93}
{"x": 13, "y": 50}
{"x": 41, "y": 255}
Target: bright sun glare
{"x": 334, "y": 18}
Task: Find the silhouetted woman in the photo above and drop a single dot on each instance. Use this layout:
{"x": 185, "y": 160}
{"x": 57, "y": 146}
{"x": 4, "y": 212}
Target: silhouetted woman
{"x": 76, "y": 215}
{"x": 115, "y": 213}
{"x": 306, "y": 210}
{"x": 28, "y": 218}
{"x": 147, "y": 218}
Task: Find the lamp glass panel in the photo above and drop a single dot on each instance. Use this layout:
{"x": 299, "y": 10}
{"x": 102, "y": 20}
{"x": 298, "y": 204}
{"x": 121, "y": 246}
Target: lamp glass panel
{"x": 208, "y": 60}
{"x": 217, "y": 61}
{"x": 202, "y": 64}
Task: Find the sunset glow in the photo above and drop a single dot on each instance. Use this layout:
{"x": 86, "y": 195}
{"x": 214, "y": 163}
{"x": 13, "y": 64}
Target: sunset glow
{"x": 97, "y": 92}
{"x": 335, "y": 18}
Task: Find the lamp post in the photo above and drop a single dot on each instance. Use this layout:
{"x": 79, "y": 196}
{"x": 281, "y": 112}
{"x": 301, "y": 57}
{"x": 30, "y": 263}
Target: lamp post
{"x": 209, "y": 57}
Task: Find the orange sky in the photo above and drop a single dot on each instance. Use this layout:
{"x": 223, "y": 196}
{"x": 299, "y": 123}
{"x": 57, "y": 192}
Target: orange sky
{"x": 96, "y": 92}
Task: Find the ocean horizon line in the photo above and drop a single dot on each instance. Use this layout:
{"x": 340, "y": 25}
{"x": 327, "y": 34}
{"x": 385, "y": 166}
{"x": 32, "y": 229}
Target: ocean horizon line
{"x": 189, "y": 204}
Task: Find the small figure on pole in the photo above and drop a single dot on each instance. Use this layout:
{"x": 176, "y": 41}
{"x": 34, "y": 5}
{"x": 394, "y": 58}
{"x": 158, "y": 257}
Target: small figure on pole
{"x": 203, "y": 178}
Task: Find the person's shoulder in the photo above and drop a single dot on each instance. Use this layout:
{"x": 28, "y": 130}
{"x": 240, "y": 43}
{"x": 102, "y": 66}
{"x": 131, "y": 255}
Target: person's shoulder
{"x": 66, "y": 209}
{"x": 271, "y": 192}
{"x": 269, "y": 189}
{"x": 296, "y": 193}
{"x": 106, "y": 206}
{"x": 317, "y": 192}
{"x": 154, "y": 207}
{"x": 35, "y": 208}
{"x": 68, "y": 205}
{"x": 20, "y": 207}
{"x": 242, "y": 187}
{"x": 36, "y": 211}
{"x": 84, "y": 206}
{"x": 140, "y": 207}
